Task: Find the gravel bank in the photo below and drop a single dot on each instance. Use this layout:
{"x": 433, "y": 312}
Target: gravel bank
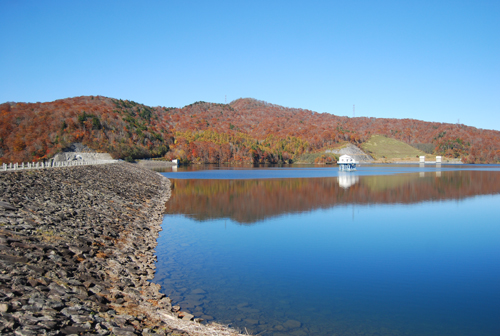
{"x": 77, "y": 253}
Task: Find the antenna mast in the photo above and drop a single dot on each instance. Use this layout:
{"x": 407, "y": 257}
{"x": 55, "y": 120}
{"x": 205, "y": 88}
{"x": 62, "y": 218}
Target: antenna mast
{"x": 225, "y": 99}
{"x": 353, "y": 111}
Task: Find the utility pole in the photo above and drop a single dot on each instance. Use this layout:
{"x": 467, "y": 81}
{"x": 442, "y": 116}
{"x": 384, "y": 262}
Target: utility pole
{"x": 353, "y": 111}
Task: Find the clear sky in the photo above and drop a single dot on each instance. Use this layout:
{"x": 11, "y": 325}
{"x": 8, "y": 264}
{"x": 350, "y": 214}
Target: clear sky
{"x": 428, "y": 60}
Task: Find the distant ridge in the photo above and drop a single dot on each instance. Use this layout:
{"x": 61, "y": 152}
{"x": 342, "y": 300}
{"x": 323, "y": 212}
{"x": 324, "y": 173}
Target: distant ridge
{"x": 246, "y": 130}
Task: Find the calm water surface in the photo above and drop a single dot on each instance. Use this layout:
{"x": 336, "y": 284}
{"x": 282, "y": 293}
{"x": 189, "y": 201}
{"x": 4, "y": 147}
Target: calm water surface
{"x": 381, "y": 251}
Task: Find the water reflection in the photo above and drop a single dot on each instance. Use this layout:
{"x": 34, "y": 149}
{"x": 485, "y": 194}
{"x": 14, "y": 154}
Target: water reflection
{"x": 388, "y": 255}
{"x": 347, "y": 179}
{"x": 249, "y": 201}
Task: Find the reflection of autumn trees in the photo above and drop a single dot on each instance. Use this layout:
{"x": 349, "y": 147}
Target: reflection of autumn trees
{"x": 249, "y": 201}
{"x": 244, "y": 131}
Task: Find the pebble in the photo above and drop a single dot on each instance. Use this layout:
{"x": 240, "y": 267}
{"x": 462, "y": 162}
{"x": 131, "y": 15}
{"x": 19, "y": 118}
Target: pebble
{"x": 290, "y": 324}
{"x": 4, "y": 307}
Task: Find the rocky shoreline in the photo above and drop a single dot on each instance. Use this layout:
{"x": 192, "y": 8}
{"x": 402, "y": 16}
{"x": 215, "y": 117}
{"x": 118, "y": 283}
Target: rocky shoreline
{"x": 77, "y": 254}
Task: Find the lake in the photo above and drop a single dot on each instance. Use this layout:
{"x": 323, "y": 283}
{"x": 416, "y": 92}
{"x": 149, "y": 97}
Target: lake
{"x": 385, "y": 250}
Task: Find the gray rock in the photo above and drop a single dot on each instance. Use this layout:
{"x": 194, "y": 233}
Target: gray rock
{"x": 24, "y": 332}
{"x": 291, "y": 324}
{"x": 4, "y": 307}
{"x": 81, "y": 318}
{"x": 187, "y": 316}
{"x": 130, "y": 331}
{"x": 251, "y": 321}
{"x": 69, "y": 330}
{"x": 7, "y": 206}
{"x": 48, "y": 324}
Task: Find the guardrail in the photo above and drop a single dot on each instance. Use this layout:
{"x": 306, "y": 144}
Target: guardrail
{"x": 51, "y": 164}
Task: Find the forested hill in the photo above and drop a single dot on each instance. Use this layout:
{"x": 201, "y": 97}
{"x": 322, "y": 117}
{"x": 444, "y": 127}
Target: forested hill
{"x": 244, "y": 131}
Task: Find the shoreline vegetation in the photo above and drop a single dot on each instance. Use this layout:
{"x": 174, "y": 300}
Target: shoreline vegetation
{"x": 77, "y": 254}
{"x": 245, "y": 131}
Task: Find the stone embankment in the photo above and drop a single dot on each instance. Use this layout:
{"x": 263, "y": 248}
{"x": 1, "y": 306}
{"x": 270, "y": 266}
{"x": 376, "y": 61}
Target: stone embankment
{"x": 77, "y": 253}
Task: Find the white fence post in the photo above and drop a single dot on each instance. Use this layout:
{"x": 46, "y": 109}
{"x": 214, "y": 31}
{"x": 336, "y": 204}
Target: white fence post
{"x": 51, "y": 163}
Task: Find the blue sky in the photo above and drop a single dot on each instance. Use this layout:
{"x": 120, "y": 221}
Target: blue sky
{"x": 428, "y": 60}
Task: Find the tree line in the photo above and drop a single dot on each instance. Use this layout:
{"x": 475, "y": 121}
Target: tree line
{"x": 244, "y": 131}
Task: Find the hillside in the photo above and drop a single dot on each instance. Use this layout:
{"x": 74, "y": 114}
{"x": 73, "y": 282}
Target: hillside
{"x": 382, "y": 147}
{"x": 244, "y": 131}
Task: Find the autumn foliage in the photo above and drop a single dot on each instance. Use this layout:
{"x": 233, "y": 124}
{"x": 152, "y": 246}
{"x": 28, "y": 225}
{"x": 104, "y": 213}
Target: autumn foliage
{"x": 250, "y": 201}
{"x": 244, "y": 131}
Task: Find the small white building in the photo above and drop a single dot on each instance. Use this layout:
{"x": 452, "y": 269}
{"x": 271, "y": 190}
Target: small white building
{"x": 176, "y": 162}
{"x": 438, "y": 159}
{"x": 422, "y": 159}
{"x": 347, "y": 163}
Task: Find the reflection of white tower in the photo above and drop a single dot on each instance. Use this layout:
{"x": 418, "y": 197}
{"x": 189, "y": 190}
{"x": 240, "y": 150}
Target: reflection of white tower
{"x": 346, "y": 180}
